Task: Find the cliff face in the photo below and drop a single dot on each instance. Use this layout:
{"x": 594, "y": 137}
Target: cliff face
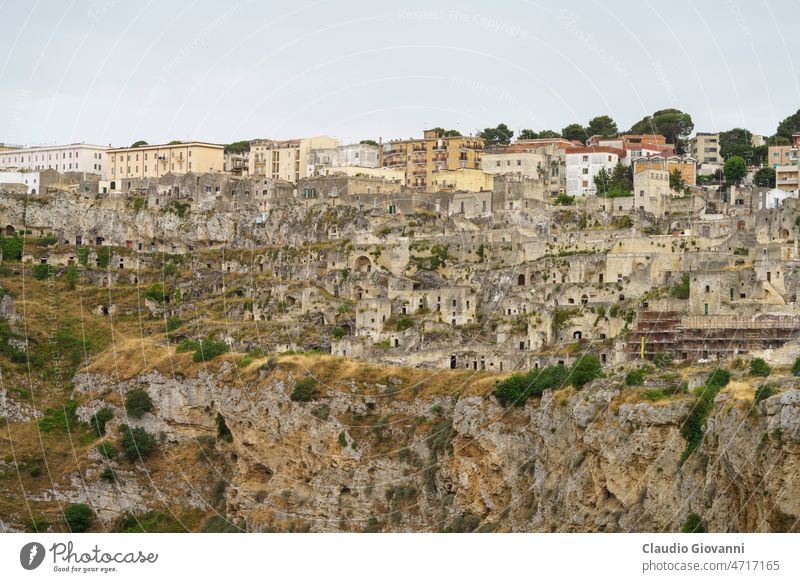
{"x": 592, "y": 460}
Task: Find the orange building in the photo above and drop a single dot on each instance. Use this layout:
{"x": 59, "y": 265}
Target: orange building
{"x": 421, "y": 158}
{"x": 686, "y": 165}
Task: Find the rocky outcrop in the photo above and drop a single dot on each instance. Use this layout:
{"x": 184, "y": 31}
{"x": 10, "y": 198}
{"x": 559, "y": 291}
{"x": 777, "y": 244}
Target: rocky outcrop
{"x": 571, "y": 461}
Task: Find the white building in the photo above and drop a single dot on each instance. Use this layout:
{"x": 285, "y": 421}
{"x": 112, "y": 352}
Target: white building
{"x": 324, "y": 161}
{"x": 78, "y": 157}
{"x": 31, "y": 180}
{"x": 286, "y": 159}
{"x": 584, "y": 163}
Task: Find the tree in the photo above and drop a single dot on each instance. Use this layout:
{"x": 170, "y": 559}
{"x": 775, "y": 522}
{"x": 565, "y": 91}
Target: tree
{"x": 137, "y": 443}
{"x": 787, "y": 127}
{"x": 527, "y": 134}
{"x": 78, "y": 517}
{"x": 371, "y": 142}
{"x": 584, "y": 370}
{"x": 735, "y": 169}
{"x": 445, "y": 132}
{"x": 494, "y": 136}
{"x": 602, "y": 182}
{"x": 602, "y": 125}
{"x": 564, "y": 200}
{"x": 736, "y": 142}
{"x": 796, "y": 367}
{"x": 137, "y": 402}
{"x": 138, "y": 144}
{"x": 765, "y": 177}
{"x": 238, "y": 147}
{"x": 676, "y": 180}
{"x": 575, "y": 132}
{"x": 673, "y": 124}
{"x": 758, "y": 367}
{"x": 549, "y": 134}
{"x": 175, "y": 142}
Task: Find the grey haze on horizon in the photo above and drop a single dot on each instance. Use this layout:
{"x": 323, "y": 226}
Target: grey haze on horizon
{"x": 112, "y": 72}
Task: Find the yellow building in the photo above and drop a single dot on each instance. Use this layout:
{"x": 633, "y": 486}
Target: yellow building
{"x": 784, "y": 160}
{"x": 686, "y": 165}
{"x": 285, "y": 159}
{"x": 461, "y": 180}
{"x": 420, "y": 158}
{"x": 153, "y": 161}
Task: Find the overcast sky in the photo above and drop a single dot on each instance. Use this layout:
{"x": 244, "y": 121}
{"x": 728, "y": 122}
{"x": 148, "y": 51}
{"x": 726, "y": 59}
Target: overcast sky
{"x": 112, "y": 71}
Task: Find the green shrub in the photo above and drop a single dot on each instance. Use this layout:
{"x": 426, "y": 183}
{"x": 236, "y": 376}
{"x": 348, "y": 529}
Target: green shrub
{"x": 137, "y": 403}
{"x": 103, "y": 257}
{"x": 758, "y": 367}
{"x": 765, "y": 391}
{"x": 339, "y": 332}
{"x": 564, "y": 200}
{"x": 61, "y": 419}
{"x": 661, "y": 360}
{"x": 37, "y": 525}
{"x": 99, "y": 420}
{"x": 796, "y": 367}
{"x": 584, "y": 370}
{"x": 78, "y": 517}
{"x": 342, "y": 439}
{"x": 151, "y": 522}
{"x": 680, "y": 290}
{"x": 304, "y": 390}
{"x": 693, "y": 524}
{"x": 136, "y": 443}
{"x": 635, "y": 377}
{"x": 692, "y": 427}
{"x": 223, "y": 432}
{"x": 83, "y": 256}
{"x": 173, "y": 323}
{"x": 71, "y": 277}
{"x": 155, "y": 293}
{"x": 42, "y": 272}
{"x": 11, "y": 247}
{"x": 109, "y": 475}
{"x": 204, "y": 350}
{"x": 517, "y": 388}
{"x": 107, "y": 449}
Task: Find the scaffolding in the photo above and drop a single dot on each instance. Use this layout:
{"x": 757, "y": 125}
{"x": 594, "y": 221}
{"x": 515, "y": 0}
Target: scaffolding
{"x": 690, "y": 337}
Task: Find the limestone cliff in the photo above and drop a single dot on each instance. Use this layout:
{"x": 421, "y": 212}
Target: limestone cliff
{"x": 387, "y": 456}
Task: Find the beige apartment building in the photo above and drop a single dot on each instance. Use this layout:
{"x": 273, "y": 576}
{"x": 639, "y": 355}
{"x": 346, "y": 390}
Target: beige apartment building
{"x": 704, "y": 147}
{"x": 784, "y": 160}
{"x": 285, "y": 159}
{"x": 421, "y": 158}
{"x": 154, "y": 161}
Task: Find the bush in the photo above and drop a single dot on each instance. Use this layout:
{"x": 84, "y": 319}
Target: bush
{"x": 99, "y": 420}
{"x": 37, "y": 525}
{"x": 136, "y": 443}
{"x": 796, "y": 367}
{"x": 11, "y": 248}
{"x": 103, "y": 257}
{"x": 155, "y": 293}
{"x": 173, "y": 323}
{"x": 758, "y": 367}
{"x": 78, "y": 517}
{"x": 517, "y": 388}
{"x": 223, "y": 432}
{"x": 635, "y": 377}
{"x": 137, "y": 402}
{"x": 304, "y": 390}
{"x": 680, "y": 290}
{"x": 42, "y": 272}
{"x": 108, "y": 450}
{"x": 109, "y": 475}
{"x": 692, "y": 427}
{"x": 71, "y": 277}
{"x": 584, "y": 370}
{"x": 339, "y": 332}
{"x": 693, "y": 524}
{"x": 564, "y": 200}
{"x": 204, "y": 350}
{"x": 765, "y": 391}
{"x": 62, "y": 419}
{"x": 661, "y": 360}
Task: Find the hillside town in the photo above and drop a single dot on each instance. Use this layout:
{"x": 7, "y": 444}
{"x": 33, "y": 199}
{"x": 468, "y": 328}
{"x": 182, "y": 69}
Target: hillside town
{"x": 445, "y": 250}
